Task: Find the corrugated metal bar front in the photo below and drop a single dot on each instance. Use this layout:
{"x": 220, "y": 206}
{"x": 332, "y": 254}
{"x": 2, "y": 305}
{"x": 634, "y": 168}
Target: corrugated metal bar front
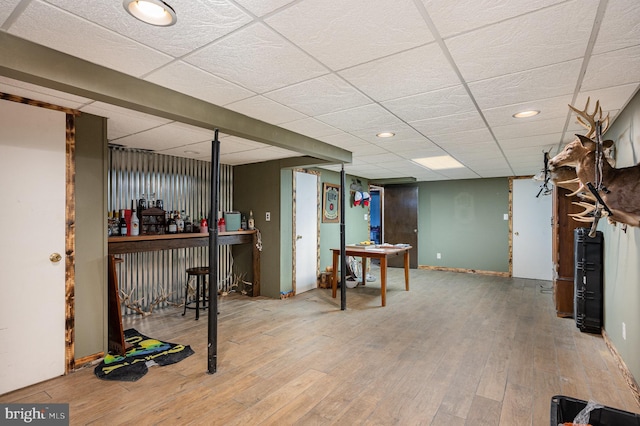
{"x": 182, "y": 184}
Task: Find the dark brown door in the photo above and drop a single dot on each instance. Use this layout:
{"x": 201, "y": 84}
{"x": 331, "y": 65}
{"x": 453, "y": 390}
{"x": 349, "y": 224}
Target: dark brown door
{"x": 401, "y": 221}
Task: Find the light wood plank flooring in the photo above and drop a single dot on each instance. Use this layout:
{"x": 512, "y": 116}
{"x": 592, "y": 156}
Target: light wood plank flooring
{"x": 458, "y": 349}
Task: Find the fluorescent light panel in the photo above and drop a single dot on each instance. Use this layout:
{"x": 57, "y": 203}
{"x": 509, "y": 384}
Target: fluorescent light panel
{"x": 442, "y": 162}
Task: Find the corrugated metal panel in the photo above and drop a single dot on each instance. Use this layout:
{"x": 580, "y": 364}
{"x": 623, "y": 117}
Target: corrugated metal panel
{"x": 182, "y": 184}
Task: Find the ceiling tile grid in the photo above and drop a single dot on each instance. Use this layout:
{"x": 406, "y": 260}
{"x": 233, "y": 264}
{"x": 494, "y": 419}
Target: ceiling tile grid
{"x": 445, "y": 77}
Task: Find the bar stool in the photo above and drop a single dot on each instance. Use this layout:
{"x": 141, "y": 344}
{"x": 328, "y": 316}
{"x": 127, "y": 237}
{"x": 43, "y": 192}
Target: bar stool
{"x": 200, "y": 273}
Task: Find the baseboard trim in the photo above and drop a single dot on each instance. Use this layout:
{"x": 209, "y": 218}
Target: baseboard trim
{"x": 81, "y": 362}
{"x": 463, "y": 270}
{"x": 628, "y": 377}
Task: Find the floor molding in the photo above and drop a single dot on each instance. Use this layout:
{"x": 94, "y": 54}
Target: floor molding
{"x": 628, "y": 377}
{"x": 463, "y": 270}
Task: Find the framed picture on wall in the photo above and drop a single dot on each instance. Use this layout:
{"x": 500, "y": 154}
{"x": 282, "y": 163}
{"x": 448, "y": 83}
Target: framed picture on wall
{"x": 330, "y": 203}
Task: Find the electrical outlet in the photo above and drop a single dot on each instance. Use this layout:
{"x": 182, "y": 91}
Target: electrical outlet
{"x": 505, "y": 216}
{"x": 267, "y": 216}
{"x": 366, "y": 216}
{"x": 624, "y": 331}
{"x": 438, "y": 256}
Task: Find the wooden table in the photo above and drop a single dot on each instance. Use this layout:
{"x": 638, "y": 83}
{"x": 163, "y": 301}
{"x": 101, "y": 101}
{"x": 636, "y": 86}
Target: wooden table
{"x": 381, "y": 253}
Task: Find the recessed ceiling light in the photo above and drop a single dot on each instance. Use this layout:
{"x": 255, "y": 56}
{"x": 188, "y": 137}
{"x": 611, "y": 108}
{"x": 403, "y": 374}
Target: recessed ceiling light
{"x": 154, "y": 12}
{"x": 192, "y": 152}
{"x": 526, "y": 114}
{"x": 385, "y": 134}
{"x": 439, "y": 163}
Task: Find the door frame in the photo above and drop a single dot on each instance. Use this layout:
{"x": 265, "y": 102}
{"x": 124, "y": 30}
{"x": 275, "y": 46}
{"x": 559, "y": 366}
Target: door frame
{"x": 70, "y": 219}
{"x": 293, "y": 227}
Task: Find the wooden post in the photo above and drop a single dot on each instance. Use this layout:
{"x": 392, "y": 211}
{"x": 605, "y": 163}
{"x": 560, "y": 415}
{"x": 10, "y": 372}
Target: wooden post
{"x": 343, "y": 254}
{"x": 212, "y": 348}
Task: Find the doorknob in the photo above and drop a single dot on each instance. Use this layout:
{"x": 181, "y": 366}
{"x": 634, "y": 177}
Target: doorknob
{"x": 298, "y": 237}
{"x": 55, "y": 257}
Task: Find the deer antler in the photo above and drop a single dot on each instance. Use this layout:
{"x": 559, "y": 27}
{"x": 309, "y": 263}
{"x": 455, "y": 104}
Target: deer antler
{"x": 136, "y": 305}
{"x": 588, "y": 121}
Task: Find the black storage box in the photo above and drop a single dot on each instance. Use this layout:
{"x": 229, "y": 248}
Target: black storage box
{"x": 588, "y": 280}
{"x": 565, "y": 409}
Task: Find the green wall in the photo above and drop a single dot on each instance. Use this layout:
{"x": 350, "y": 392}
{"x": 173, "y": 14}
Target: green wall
{"x": 91, "y": 237}
{"x": 464, "y": 221}
{"x": 355, "y": 226}
{"x": 622, "y": 251}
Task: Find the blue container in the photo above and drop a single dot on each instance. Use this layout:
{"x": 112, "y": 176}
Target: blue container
{"x": 232, "y": 221}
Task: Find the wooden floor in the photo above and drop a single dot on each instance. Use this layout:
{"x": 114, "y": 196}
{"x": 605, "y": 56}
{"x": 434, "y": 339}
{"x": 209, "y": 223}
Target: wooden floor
{"x": 458, "y": 349}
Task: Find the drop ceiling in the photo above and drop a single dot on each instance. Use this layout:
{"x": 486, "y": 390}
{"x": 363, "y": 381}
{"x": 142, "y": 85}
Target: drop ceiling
{"x": 445, "y": 76}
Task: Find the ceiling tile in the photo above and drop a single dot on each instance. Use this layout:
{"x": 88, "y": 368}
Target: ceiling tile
{"x": 321, "y": 95}
{"x": 367, "y": 150}
{"x": 450, "y": 123}
{"x": 439, "y": 103}
{"x": 418, "y": 70}
{"x": 311, "y": 127}
{"x": 49, "y": 26}
{"x": 199, "y": 22}
{"x": 549, "y": 109}
{"x": 619, "y": 28}
{"x": 344, "y": 140}
{"x": 401, "y": 132}
{"x": 538, "y": 127}
{"x": 518, "y": 44}
{"x": 31, "y": 91}
{"x": 342, "y": 34}
{"x": 121, "y": 121}
{"x": 192, "y": 81}
{"x": 256, "y": 58}
{"x": 7, "y": 9}
{"x": 262, "y": 7}
{"x": 611, "y": 99}
{"x": 167, "y": 136}
{"x": 539, "y": 83}
{"x": 613, "y": 69}
{"x": 461, "y": 16}
{"x": 466, "y": 137}
{"x": 364, "y": 117}
{"x": 265, "y": 110}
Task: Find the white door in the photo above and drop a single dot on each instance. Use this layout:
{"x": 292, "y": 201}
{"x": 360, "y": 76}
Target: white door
{"x": 32, "y": 306}
{"x": 531, "y": 231}
{"x": 306, "y": 219}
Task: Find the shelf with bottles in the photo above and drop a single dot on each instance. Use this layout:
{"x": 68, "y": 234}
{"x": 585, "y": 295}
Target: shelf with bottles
{"x": 153, "y": 221}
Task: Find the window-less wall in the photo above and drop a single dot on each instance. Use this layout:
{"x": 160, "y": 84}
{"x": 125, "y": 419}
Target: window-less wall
{"x": 182, "y": 184}
{"x": 463, "y": 220}
{"x": 622, "y": 251}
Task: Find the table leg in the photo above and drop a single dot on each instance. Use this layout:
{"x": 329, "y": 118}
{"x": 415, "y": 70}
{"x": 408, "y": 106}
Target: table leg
{"x": 406, "y": 269}
{"x": 383, "y": 279}
{"x": 363, "y": 266}
{"x": 334, "y": 274}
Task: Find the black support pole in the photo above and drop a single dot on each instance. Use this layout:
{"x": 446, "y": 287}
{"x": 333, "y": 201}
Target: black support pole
{"x": 343, "y": 255}
{"x": 212, "y": 348}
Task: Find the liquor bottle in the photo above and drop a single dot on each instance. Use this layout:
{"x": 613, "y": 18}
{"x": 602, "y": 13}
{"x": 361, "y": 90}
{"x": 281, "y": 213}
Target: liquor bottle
{"x": 173, "y": 227}
{"x": 204, "y": 228}
{"x": 109, "y": 223}
{"x": 115, "y": 231}
{"x": 222, "y": 226}
{"x": 180, "y": 221}
{"x": 123, "y": 224}
{"x": 188, "y": 226}
{"x": 135, "y": 224}
{"x": 252, "y": 224}
{"x": 243, "y": 223}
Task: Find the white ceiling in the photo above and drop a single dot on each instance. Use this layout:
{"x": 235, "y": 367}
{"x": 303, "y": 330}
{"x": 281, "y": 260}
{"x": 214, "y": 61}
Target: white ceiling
{"x": 446, "y": 76}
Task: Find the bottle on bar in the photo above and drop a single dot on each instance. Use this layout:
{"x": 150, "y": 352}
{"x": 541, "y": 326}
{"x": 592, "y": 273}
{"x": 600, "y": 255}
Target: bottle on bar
{"x": 179, "y": 221}
{"x": 115, "y": 231}
{"x": 123, "y": 224}
{"x": 252, "y": 224}
{"x": 135, "y": 224}
{"x": 173, "y": 227}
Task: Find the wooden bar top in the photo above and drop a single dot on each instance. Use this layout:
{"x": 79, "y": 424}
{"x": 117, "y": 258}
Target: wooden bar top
{"x": 140, "y": 243}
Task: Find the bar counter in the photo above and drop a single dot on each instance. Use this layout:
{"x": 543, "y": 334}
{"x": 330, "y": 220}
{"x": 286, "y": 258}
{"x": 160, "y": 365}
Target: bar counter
{"x": 142, "y": 243}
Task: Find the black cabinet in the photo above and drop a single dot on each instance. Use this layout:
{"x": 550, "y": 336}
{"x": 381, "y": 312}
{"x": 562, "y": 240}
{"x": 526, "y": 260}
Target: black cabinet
{"x": 588, "y": 280}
